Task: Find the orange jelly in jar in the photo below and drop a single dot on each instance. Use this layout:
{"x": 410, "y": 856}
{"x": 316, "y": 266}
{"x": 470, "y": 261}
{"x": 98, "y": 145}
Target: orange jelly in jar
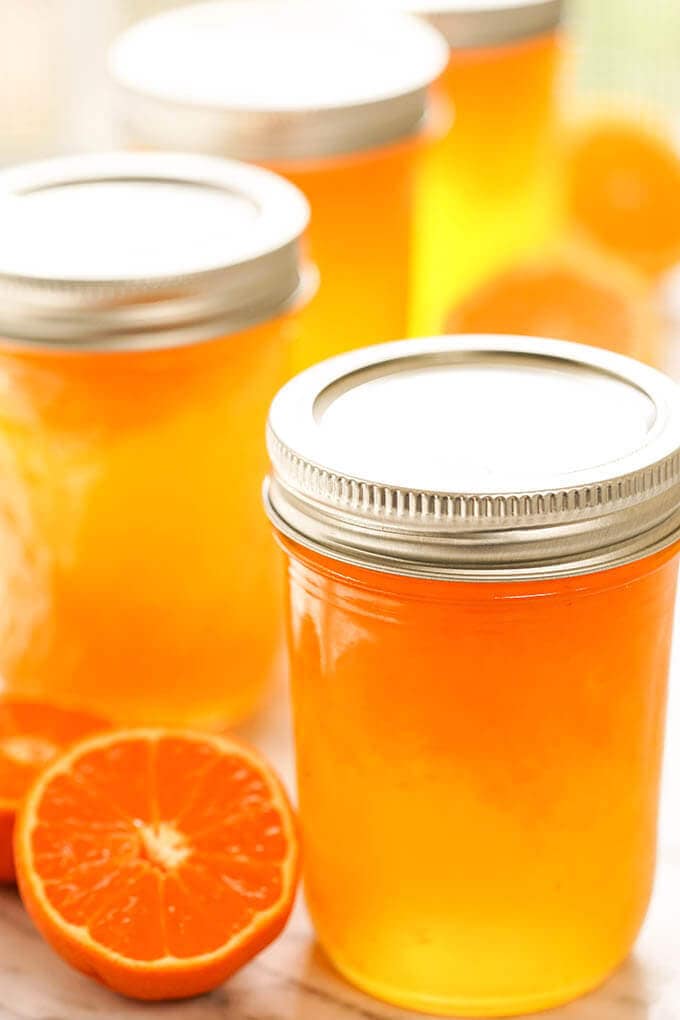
{"x": 146, "y": 303}
{"x": 332, "y": 96}
{"x": 488, "y": 185}
{"x": 481, "y": 536}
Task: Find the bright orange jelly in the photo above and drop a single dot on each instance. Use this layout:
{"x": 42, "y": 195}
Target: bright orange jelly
{"x": 478, "y": 789}
{"x": 125, "y": 478}
{"x": 360, "y": 240}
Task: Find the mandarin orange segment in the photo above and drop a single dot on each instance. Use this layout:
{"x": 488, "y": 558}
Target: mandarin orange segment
{"x": 219, "y": 910}
{"x": 229, "y": 791}
{"x": 623, "y": 190}
{"x": 131, "y": 920}
{"x": 191, "y": 929}
{"x": 120, "y": 775}
{"x": 158, "y": 861}
{"x": 31, "y": 734}
{"x": 573, "y": 292}
{"x": 82, "y": 902}
{"x": 180, "y": 769}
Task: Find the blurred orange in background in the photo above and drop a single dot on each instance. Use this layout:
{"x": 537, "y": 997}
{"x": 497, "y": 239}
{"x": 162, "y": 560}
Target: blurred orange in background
{"x": 623, "y": 190}
{"x": 598, "y": 283}
{"x": 571, "y": 292}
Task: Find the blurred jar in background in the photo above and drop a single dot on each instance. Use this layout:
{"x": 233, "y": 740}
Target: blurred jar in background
{"x": 488, "y": 188}
{"x": 332, "y": 96}
{"x": 146, "y": 304}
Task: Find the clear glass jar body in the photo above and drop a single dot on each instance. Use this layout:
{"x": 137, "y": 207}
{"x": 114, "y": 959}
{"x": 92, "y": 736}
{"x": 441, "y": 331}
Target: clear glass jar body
{"x": 137, "y": 574}
{"x": 487, "y": 187}
{"x": 478, "y": 768}
{"x": 360, "y": 241}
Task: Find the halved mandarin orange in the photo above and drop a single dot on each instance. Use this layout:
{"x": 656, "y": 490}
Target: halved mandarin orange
{"x": 571, "y": 292}
{"x": 623, "y": 190}
{"x": 158, "y": 861}
{"x": 31, "y": 734}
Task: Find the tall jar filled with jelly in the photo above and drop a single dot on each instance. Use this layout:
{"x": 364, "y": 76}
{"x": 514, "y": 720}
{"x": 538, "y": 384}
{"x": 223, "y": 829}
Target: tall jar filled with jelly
{"x": 333, "y": 96}
{"x": 481, "y": 536}
{"x": 489, "y": 182}
{"x": 146, "y": 310}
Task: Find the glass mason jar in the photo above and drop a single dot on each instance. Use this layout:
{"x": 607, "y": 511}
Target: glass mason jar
{"x": 146, "y": 305}
{"x": 488, "y": 186}
{"x": 482, "y": 537}
{"x": 332, "y": 97}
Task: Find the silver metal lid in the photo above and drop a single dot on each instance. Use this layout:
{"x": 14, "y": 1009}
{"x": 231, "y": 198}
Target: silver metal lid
{"x": 137, "y": 250}
{"x": 477, "y": 458}
{"x": 275, "y": 80}
{"x": 472, "y": 24}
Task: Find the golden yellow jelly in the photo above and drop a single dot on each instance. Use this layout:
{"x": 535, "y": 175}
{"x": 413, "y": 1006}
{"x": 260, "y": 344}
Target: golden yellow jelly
{"x": 488, "y": 184}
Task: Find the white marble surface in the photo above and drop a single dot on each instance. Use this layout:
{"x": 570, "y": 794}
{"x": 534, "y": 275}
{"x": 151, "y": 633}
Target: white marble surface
{"x": 292, "y": 981}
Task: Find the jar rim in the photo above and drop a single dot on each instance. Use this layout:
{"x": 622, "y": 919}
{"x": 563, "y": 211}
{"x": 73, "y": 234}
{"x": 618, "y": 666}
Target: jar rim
{"x": 621, "y": 504}
{"x": 471, "y": 24}
{"x": 143, "y": 250}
